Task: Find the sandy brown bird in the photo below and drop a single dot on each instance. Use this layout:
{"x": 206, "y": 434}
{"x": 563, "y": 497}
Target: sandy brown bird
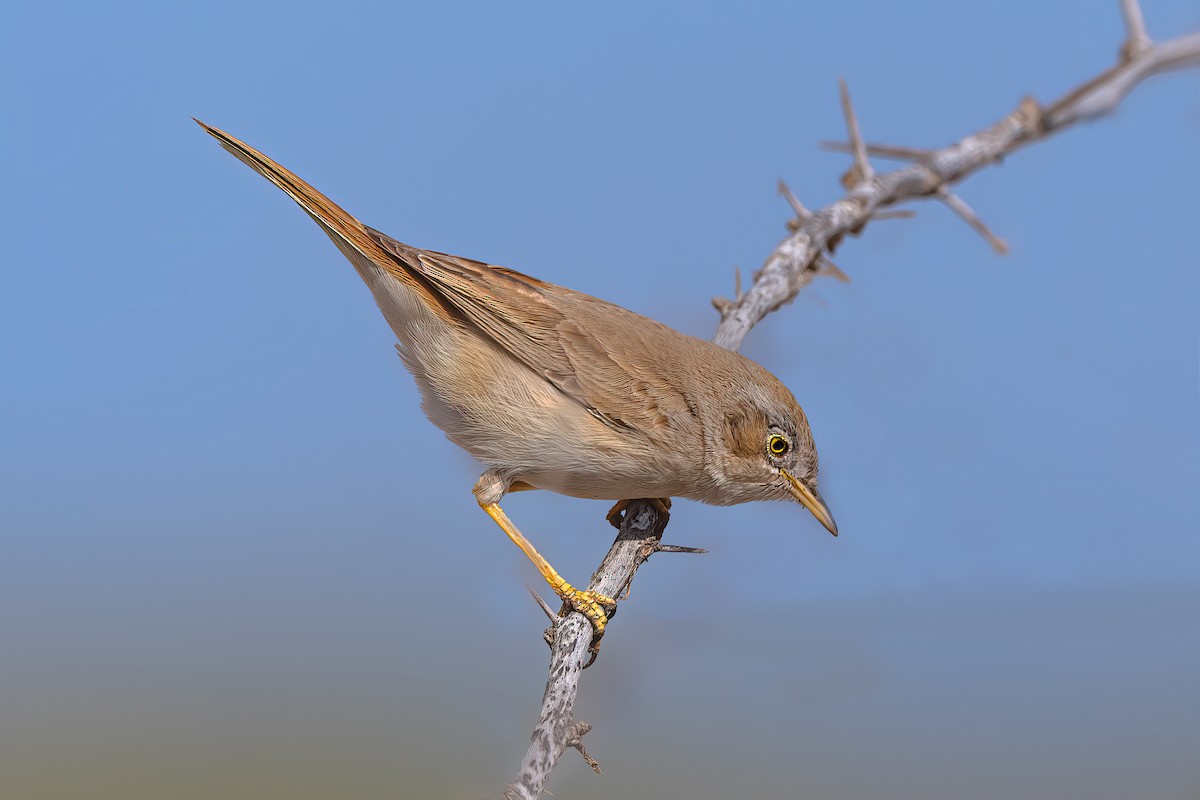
{"x": 554, "y": 389}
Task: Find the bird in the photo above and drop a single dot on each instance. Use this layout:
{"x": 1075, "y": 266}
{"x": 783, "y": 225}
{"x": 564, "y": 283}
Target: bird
{"x": 553, "y": 389}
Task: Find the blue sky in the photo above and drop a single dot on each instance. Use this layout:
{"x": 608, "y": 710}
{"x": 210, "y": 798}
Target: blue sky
{"x": 240, "y": 563}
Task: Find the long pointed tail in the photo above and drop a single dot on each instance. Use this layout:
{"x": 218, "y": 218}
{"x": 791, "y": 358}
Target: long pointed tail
{"x": 351, "y": 236}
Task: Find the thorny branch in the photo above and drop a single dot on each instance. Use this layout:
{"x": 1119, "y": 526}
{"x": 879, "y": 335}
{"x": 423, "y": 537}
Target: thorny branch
{"x": 792, "y": 266}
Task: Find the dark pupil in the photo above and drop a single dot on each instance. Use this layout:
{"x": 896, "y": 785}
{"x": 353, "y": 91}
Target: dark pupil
{"x": 778, "y": 446}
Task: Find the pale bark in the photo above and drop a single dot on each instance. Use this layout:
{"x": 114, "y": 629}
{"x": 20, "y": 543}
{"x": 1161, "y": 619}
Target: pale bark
{"x": 793, "y": 264}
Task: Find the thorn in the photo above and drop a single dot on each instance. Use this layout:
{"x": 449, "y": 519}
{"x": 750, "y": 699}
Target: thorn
{"x": 545, "y": 606}
{"x": 862, "y": 171}
{"x": 827, "y": 267}
{"x": 959, "y": 206}
{"x": 675, "y": 548}
{"x": 798, "y": 208}
{"x": 722, "y": 305}
{"x": 737, "y": 282}
{"x": 894, "y": 152}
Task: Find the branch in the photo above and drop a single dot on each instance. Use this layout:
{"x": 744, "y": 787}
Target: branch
{"x": 1136, "y": 40}
{"x": 824, "y": 265}
{"x": 792, "y": 266}
{"x": 571, "y": 638}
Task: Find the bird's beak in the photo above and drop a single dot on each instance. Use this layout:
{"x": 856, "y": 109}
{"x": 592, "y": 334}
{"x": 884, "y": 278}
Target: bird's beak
{"x": 811, "y": 500}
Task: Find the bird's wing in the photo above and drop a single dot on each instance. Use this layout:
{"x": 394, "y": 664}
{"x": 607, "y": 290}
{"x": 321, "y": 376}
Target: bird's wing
{"x": 591, "y": 350}
{"x": 585, "y": 347}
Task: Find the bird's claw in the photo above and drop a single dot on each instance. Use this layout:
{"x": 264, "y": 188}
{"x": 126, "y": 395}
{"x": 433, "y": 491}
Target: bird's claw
{"x": 596, "y": 607}
{"x": 616, "y": 514}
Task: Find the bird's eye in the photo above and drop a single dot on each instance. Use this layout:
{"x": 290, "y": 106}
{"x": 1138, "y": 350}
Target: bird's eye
{"x": 778, "y": 445}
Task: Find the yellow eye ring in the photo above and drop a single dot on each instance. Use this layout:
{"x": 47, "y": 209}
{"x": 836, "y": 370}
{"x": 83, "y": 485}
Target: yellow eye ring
{"x": 778, "y": 445}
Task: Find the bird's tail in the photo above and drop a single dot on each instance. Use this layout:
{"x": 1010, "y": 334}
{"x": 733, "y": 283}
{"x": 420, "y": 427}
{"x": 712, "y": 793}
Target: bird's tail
{"x": 353, "y": 238}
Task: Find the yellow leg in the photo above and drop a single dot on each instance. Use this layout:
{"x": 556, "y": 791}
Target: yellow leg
{"x": 595, "y": 607}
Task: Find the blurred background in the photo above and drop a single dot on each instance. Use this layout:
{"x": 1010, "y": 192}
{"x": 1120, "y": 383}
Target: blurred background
{"x": 239, "y": 563}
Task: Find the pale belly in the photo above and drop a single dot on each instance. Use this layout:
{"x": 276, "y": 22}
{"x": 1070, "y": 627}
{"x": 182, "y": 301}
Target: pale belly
{"x": 520, "y": 424}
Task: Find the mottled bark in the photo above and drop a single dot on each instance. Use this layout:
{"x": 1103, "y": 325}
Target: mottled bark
{"x": 793, "y": 264}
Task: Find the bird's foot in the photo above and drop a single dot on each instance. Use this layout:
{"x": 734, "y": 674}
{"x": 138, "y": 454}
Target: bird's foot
{"x": 616, "y": 514}
{"x": 598, "y": 608}
{"x": 593, "y": 605}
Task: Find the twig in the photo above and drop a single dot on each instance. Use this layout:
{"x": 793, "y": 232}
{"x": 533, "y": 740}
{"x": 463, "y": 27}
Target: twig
{"x": 1136, "y": 40}
{"x": 792, "y": 265}
{"x": 576, "y": 741}
{"x": 788, "y": 269}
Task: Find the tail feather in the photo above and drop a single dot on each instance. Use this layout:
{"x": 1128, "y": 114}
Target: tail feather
{"x": 353, "y": 238}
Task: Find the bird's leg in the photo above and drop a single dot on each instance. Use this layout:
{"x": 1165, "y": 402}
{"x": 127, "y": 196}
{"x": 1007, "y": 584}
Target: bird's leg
{"x": 596, "y": 607}
{"x": 616, "y": 514}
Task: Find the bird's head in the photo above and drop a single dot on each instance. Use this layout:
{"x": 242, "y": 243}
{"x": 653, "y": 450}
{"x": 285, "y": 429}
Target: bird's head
{"x": 767, "y": 449}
